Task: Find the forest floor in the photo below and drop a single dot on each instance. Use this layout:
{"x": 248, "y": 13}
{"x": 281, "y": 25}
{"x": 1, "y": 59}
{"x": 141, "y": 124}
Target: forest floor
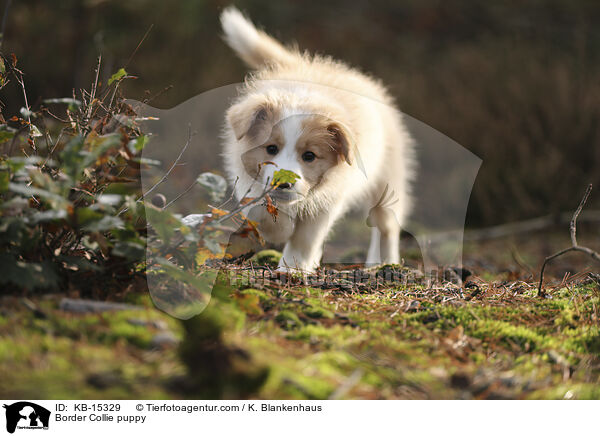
{"x": 384, "y": 338}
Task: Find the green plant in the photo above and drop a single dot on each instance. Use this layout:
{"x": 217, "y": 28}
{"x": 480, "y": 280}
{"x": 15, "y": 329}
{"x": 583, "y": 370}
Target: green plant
{"x": 63, "y": 179}
{"x": 70, "y": 201}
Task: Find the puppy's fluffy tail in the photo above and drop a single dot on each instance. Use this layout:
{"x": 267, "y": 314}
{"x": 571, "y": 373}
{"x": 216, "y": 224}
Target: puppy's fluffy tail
{"x": 253, "y": 46}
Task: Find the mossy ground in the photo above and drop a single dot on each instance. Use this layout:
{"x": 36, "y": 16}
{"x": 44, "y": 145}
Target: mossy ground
{"x": 491, "y": 339}
{"x": 60, "y": 354}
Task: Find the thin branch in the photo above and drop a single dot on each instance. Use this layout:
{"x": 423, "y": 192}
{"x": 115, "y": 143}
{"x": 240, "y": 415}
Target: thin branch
{"x": 138, "y": 46}
{"x": 18, "y": 75}
{"x": 528, "y": 226}
{"x": 575, "y": 247}
{"x": 244, "y": 206}
{"x": 114, "y": 89}
{"x": 188, "y": 189}
{"x": 166, "y": 175}
{"x": 21, "y": 81}
{"x": 231, "y": 197}
{"x": 90, "y": 107}
{"x": 158, "y": 94}
{"x": 573, "y": 224}
{"x": 215, "y": 224}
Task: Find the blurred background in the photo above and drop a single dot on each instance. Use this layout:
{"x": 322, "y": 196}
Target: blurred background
{"x": 515, "y": 82}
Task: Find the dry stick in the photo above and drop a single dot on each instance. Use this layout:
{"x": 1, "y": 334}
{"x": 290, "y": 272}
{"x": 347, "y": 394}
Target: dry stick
{"x": 232, "y": 196}
{"x": 93, "y": 93}
{"x": 216, "y": 223}
{"x": 194, "y": 183}
{"x": 166, "y": 175}
{"x": 527, "y": 226}
{"x": 158, "y": 94}
{"x": 18, "y": 75}
{"x": 244, "y": 206}
{"x": 118, "y": 82}
{"x": 188, "y": 189}
{"x": 575, "y": 246}
{"x": 108, "y": 88}
{"x": 139, "y": 45}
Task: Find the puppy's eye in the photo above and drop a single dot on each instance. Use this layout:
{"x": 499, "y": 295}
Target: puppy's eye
{"x": 272, "y": 149}
{"x": 308, "y": 156}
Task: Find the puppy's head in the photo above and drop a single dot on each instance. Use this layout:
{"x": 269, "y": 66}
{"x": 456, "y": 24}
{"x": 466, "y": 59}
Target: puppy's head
{"x": 272, "y": 135}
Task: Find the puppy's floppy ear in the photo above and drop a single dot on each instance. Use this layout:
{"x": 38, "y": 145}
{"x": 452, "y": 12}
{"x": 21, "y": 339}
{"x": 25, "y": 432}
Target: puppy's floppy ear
{"x": 342, "y": 138}
{"x": 249, "y": 117}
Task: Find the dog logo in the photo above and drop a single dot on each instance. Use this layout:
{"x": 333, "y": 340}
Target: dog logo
{"x": 26, "y": 415}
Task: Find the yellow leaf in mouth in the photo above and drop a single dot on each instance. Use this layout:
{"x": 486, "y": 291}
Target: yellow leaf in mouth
{"x": 284, "y": 176}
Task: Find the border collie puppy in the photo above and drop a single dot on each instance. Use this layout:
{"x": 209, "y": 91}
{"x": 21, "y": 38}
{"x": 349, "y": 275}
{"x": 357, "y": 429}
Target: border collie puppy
{"x": 335, "y": 127}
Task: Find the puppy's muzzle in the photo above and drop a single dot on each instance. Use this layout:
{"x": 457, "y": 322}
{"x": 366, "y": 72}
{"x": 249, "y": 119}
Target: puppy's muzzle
{"x": 284, "y": 193}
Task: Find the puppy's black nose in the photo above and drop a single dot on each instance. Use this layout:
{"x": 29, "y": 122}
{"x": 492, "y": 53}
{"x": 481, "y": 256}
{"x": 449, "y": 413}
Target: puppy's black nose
{"x": 284, "y": 186}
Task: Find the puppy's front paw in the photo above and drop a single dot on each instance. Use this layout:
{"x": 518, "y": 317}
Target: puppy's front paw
{"x": 303, "y": 268}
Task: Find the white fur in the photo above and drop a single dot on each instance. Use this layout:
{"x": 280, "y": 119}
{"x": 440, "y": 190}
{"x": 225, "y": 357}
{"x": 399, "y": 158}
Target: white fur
{"x": 239, "y": 33}
{"x": 383, "y": 153}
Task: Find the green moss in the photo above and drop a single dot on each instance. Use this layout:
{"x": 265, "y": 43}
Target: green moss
{"x": 318, "y": 312}
{"x": 314, "y": 292}
{"x": 309, "y": 387}
{"x": 262, "y": 295}
{"x": 306, "y": 342}
{"x": 509, "y": 334}
{"x": 267, "y": 258}
{"x": 333, "y": 336}
{"x": 136, "y": 335}
{"x": 288, "y": 319}
{"x": 106, "y": 328}
{"x": 578, "y": 391}
{"x": 59, "y": 367}
{"x": 249, "y": 303}
{"x": 584, "y": 339}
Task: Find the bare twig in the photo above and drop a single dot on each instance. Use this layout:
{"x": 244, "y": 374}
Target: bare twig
{"x": 158, "y": 94}
{"x": 232, "y": 196}
{"x": 194, "y": 183}
{"x": 266, "y": 191}
{"x": 216, "y": 224}
{"x": 21, "y": 81}
{"x": 573, "y": 224}
{"x": 527, "y": 226}
{"x": 188, "y": 189}
{"x": 138, "y": 46}
{"x": 166, "y": 175}
{"x": 574, "y": 247}
{"x": 93, "y": 92}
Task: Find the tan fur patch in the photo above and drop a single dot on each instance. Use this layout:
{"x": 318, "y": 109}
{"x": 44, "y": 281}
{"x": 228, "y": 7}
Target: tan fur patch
{"x": 316, "y": 138}
{"x": 252, "y": 118}
{"x": 256, "y": 155}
